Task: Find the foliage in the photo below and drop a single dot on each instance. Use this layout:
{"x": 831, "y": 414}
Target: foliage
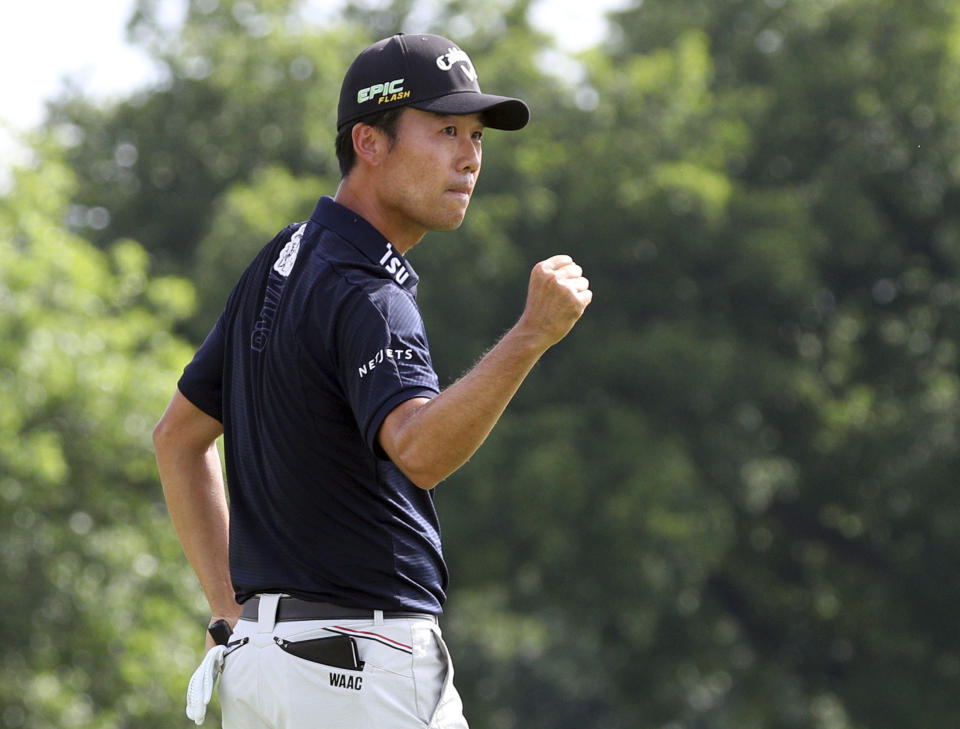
{"x": 723, "y": 501}
{"x": 91, "y": 637}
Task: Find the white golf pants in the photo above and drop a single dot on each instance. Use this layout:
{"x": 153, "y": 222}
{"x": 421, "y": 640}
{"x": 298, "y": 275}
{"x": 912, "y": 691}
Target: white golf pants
{"x": 406, "y": 680}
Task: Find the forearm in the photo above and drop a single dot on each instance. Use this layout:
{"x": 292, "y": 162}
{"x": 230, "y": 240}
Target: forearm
{"x": 193, "y": 487}
{"x": 194, "y": 492}
{"x": 441, "y": 435}
{"x": 430, "y": 439}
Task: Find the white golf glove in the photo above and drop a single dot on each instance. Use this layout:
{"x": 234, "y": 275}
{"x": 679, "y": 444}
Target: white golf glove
{"x": 200, "y": 688}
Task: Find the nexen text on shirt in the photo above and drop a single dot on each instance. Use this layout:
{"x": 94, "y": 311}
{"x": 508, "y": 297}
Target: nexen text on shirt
{"x": 380, "y": 356}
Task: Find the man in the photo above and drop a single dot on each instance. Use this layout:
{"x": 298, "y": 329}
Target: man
{"x": 327, "y": 565}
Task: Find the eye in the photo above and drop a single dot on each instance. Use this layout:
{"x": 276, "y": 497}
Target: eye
{"x": 450, "y": 131}
{"x": 478, "y": 136}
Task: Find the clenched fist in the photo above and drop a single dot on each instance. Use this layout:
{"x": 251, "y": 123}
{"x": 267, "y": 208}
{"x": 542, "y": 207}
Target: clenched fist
{"x": 556, "y": 298}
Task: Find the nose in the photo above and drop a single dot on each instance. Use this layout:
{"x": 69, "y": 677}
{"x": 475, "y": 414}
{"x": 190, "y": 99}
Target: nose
{"x": 471, "y": 155}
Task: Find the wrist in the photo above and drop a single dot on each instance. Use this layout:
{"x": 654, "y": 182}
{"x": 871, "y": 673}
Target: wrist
{"x": 226, "y": 611}
{"x": 527, "y": 339}
{"x": 231, "y": 618}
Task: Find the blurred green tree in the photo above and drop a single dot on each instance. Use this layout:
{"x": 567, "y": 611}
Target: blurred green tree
{"x": 91, "y": 637}
{"x": 246, "y": 87}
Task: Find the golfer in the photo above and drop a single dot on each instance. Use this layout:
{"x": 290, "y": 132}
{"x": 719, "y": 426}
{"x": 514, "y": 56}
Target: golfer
{"x": 325, "y": 574}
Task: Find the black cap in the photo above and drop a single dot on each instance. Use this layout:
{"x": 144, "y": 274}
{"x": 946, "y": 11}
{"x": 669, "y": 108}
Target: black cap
{"x": 426, "y": 72}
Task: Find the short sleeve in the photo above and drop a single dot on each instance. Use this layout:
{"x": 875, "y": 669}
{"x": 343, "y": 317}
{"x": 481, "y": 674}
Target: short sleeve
{"x": 384, "y": 357}
{"x": 202, "y": 379}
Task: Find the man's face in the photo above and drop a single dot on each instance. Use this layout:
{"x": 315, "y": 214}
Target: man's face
{"x": 427, "y": 176}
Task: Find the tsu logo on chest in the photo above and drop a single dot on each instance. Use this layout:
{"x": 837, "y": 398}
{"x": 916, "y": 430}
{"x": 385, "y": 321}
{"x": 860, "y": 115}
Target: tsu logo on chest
{"x": 340, "y": 680}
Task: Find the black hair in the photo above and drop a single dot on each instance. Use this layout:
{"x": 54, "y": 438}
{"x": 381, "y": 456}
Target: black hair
{"x": 385, "y": 121}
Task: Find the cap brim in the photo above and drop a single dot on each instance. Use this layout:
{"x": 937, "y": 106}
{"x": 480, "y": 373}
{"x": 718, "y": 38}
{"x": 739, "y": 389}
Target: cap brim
{"x": 499, "y": 112}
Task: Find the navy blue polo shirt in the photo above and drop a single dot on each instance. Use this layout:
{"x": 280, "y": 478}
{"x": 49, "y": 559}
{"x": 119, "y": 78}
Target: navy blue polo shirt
{"x": 318, "y": 342}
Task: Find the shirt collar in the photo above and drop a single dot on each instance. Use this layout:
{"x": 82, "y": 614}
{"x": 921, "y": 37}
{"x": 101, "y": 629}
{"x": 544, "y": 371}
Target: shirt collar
{"x": 365, "y": 238}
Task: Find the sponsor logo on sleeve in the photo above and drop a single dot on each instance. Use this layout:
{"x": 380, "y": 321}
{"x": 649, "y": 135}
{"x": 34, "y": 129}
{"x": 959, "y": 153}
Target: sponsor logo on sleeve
{"x": 273, "y": 294}
{"x": 288, "y": 256}
{"x": 382, "y": 356}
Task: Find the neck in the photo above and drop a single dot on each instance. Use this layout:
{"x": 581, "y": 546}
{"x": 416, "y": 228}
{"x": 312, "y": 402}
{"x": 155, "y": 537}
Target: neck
{"x": 355, "y": 194}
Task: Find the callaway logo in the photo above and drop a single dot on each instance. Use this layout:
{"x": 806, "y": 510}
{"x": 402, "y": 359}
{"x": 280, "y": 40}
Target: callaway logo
{"x": 453, "y": 56}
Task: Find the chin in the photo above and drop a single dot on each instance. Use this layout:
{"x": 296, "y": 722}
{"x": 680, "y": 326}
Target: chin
{"x": 448, "y": 222}
{"x": 450, "y": 225}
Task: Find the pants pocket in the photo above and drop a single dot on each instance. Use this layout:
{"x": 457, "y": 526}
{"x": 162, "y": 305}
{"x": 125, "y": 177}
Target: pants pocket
{"x": 338, "y": 651}
{"x": 432, "y": 675}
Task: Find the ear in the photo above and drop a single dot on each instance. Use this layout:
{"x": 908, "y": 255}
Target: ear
{"x": 369, "y": 143}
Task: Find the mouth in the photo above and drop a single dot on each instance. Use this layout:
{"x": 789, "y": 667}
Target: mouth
{"x": 461, "y": 192}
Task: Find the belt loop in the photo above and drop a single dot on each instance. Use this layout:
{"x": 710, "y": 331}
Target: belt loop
{"x": 267, "y": 613}
{"x": 378, "y": 617}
